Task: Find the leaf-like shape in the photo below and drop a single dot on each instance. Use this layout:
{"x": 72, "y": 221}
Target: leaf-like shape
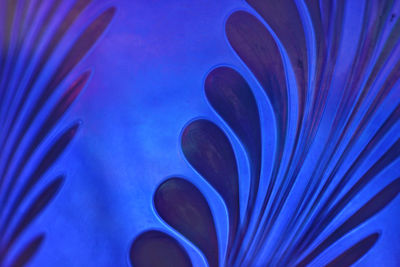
{"x": 326, "y": 212}
{"x": 183, "y": 206}
{"x": 358, "y": 88}
{"x": 34, "y": 209}
{"x": 56, "y": 38}
{"x": 46, "y": 162}
{"x": 257, "y": 48}
{"x": 79, "y": 49}
{"x": 386, "y": 159}
{"x": 353, "y": 254}
{"x": 372, "y": 207}
{"x": 30, "y": 37}
{"x": 75, "y": 54}
{"x": 289, "y": 29}
{"x": 155, "y": 248}
{"x": 28, "y": 251}
{"x": 84, "y": 43}
{"x": 230, "y": 95}
{"x": 54, "y": 116}
{"x": 209, "y": 151}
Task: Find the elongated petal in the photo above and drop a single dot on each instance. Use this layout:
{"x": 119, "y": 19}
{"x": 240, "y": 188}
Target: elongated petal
{"x": 353, "y": 254}
{"x": 257, "y": 48}
{"x": 47, "y": 161}
{"x": 289, "y": 29}
{"x": 372, "y": 207}
{"x": 35, "y": 208}
{"x": 28, "y": 251}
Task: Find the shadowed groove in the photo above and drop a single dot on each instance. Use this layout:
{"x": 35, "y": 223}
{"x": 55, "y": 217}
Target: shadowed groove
{"x": 282, "y": 235}
{"x": 386, "y": 88}
{"x": 64, "y": 26}
{"x": 327, "y": 214}
{"x": 353, "y": 254}
{"x": 31, "y": 34}
{"x": 73, "y": 57}
{"x": 54, "y": 116}
{"x": 34, "y": 209}
{"x": 28, "y": 251}
{"x": 373, "y": 206}
{"x": 46, "y": 162}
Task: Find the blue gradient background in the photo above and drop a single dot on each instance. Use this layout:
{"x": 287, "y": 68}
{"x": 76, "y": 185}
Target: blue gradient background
{"x": 149, "y": 70}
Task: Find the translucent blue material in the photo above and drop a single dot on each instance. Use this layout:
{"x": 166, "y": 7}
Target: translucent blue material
{"x": 281, "y": 118}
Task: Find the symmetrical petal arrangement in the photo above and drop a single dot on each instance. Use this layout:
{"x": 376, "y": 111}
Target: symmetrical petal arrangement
{"x": 36, "y": 60}
{"x": 334, "y": 133}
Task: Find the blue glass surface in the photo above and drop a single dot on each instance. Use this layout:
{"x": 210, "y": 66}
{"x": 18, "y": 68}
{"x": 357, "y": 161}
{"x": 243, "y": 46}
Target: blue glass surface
{"x": 147, "y": 84}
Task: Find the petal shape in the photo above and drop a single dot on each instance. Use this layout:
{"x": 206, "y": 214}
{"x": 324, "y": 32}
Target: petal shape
{"x": 75, "y": 54}
{"x": 231, "y": 97}
{"x": 155, "y": 248}
{"x": 209, "y": 151}
{"x": 257, "y": 48}
{"x": 183, "y": 206}
{"x": 289, "y": 29}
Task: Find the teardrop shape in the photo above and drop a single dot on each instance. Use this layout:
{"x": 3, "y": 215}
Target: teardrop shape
{"x": 257, "y": 48}
{"x": 209, "y": 151}
{"x": 289, "y": 29}
{"x": 155, "y": 248}
{"x": 183, "y": 206}
{"x": 231, "y": 97}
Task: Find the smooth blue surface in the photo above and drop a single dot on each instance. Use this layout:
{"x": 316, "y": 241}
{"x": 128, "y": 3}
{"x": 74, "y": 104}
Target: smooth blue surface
{"x": 149, "y": 71}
